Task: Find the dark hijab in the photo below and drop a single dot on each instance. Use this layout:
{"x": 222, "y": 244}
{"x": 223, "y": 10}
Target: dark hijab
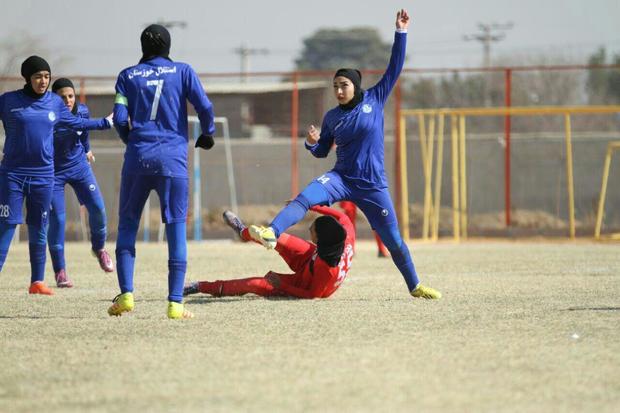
{"x": 31, "y": 66}
{"x": 355, "y": 76}
{"x": 330, "y": 239}
{"x": 155, "y": 41}
{"x": 62, "y": 83}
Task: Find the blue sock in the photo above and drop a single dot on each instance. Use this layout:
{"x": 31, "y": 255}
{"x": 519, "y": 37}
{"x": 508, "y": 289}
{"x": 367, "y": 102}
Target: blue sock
{"x": 126, "y": 253}
{"x": 313, "y": 194}
{"x": 400, "y": 254}
{"x": 56, "y": 240}
{"x": 177, "y": 260}
{"x": 6, "y": 235}
{"x": 97, "y": 221}
{"x": 37, "y": 242}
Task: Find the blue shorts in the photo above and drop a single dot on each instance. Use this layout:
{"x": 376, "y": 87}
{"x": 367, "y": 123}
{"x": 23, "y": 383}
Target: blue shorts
{"x": 83, "y": 181}
{"x": 375, "y": 203}
{"x": 35, "y": 189}
{"x": 173, "y": 196}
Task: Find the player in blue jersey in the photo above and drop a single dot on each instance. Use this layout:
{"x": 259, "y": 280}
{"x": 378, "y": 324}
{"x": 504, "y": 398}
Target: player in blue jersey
{"x": 29, "y": 116}
{"x": 72, "y": 157}
{"x": 150, "y": 114}
{"x": 356, "y": 127}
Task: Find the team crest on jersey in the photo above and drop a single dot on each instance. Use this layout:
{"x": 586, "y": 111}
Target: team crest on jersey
{"x": 366, "y": 108}
{"x": 92, "y": 187}
{"x": 51, "y": 116}
{"x": 384, "y": 212}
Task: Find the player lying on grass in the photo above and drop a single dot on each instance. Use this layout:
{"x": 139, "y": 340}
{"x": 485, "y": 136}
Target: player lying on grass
{"x": 29, "y": 116}
{"x": 72, "y": 157}
{"x": 356, "y": 127}
{"x": 319, "y": 266}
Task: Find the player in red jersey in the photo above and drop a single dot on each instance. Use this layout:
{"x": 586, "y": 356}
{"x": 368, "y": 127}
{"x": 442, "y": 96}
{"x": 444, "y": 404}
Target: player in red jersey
{"x": 319, "y": 266}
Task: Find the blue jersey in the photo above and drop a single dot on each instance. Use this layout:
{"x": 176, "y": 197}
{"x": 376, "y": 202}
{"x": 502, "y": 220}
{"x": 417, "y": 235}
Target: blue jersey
{"x": 358, "y": 133}
{"x": 71, "y": 146}
{"x": 150, "y": 115}
{"x": 29, "y": 127}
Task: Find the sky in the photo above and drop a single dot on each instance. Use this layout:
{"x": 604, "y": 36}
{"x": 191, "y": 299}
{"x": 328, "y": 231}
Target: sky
{"x": 82, "y": 37}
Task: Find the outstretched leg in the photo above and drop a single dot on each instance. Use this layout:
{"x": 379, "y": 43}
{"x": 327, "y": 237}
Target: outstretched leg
{"x": 56, "y": 235}
{"x": 228, "y": 288}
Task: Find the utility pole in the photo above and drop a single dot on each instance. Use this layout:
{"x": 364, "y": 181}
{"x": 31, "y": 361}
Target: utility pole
{"x": 489, "y": 33}
{"x": 244, "y": 53}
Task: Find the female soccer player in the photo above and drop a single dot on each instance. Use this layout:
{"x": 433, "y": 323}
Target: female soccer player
{"x": 29, "y": 116}
{"x": 356, "y": 126}
{"x": 72, "y": 157}
{"x": 153, "y": 95}
{"x": 319, "y": 267}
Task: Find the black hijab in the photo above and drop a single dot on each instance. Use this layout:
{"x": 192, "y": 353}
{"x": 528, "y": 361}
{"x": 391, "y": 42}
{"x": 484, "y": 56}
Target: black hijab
{"x": 330, "y": 239}
{"x": 62, "y": 83}
{"x": 31, "y": 66}
{"x": 355, "y": 76}
{"x": 155, "y": 41}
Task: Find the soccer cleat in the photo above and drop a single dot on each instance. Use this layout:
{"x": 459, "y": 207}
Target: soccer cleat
{"x": 105, "y": 261}
{"x": 425, "y": 292}
{"x": 234, "y": 222}
{"x": 122, "y": 304}
{"x": 191, "y": 288}
{"x": 62, "y": 280}
{"x": 264, "y": 235}
{"x": 38, "y": 287}
{"x": 177, "y": 311}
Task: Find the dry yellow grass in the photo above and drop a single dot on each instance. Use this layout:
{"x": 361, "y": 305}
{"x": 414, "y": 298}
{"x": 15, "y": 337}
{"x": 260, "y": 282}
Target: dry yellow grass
{"x": 522, "y": 327}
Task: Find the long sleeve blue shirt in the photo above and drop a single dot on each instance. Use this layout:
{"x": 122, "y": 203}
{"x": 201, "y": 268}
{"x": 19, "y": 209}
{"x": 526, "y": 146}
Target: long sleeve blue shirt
{"x": 71, "y": 146}
{"x": 150, "y": 115}
{"x": 358, "y": 133}
{"x": 29, "y": 128}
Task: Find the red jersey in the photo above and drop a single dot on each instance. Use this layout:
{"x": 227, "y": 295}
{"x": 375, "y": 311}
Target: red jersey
{"x": 313, "y": 278}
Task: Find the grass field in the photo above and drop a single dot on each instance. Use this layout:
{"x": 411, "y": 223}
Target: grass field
{"x": 522, "y": 327}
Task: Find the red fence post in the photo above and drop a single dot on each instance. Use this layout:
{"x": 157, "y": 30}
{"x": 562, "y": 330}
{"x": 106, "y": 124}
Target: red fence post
{"x": 507, "y": 102}
{"x": 82, "y": 91}
{"x": 294, "y": 133}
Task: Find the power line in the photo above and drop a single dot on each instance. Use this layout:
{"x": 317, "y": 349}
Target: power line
{"x": 489, "y": 33}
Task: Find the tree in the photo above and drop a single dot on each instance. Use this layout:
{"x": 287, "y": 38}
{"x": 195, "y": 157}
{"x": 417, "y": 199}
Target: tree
{"x": 603, "y": 85}
{"x": 358, "y": 47}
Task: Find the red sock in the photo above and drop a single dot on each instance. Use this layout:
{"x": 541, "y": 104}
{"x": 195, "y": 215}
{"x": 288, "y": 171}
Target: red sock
{"x": 245, "y": 236}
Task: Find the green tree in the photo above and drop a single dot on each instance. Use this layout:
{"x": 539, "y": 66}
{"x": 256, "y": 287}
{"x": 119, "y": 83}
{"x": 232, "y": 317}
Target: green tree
{"x": 358, "y": 47}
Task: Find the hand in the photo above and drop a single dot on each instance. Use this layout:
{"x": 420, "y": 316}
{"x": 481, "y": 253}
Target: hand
{"x": 273, "y": 279}
{"x": 90, "y": 157}
{"x": 402, "y": 19}
{"x": 313, "y": 135}
{"x": 109, "y": 119}
{"x": 205, "y": 142}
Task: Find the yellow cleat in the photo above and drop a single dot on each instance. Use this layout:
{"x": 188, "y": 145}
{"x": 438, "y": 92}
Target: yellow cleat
{"x": 264, "y": 235}
{"x": 122, "y": 303}
{"x": 426, "y": 292}
{"x": 177, "y": 311}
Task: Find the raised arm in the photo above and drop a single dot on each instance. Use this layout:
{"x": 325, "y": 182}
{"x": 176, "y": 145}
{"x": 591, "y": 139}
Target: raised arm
{"x": 319, "y": 144}
{"x": 121, "y": 111}
{"x": 397, "y": 59}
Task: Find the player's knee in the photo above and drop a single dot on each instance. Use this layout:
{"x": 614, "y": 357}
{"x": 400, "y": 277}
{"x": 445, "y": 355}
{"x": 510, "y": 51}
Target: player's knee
{"x": 128, "y": 224}
{"x": 56, "y": 247}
